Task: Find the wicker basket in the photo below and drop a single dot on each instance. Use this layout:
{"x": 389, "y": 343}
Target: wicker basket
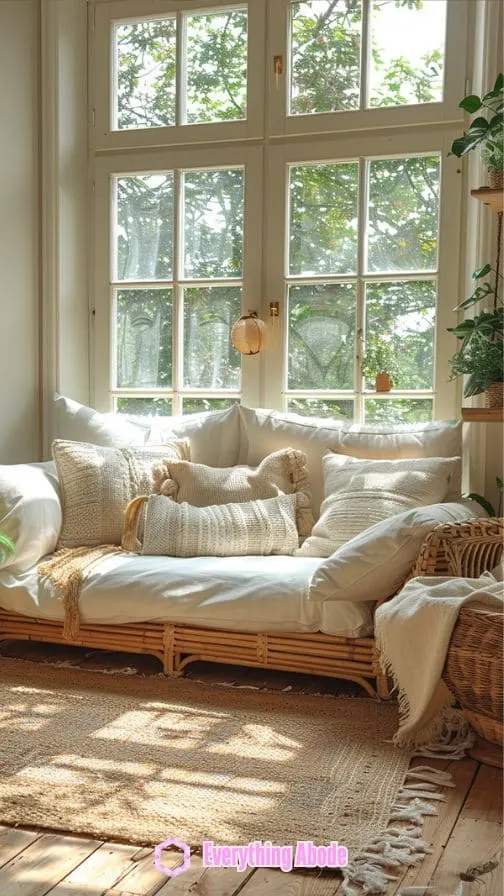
{"x": 474, "y": 669}
{"x": 494, "y": 395}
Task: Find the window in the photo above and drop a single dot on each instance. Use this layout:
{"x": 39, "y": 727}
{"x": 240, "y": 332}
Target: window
{"x": 180, "y": 69}
{"x": 389, "y": 260}
{"x": 316, "y": 177}
{"x": 200, "y": 286}
{"x": 344, "y": 55}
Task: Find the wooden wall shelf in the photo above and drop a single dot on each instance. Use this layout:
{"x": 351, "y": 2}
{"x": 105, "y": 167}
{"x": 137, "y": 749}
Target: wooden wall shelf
{"x": 491, "y": 197}
{"x": 483, "y": 415}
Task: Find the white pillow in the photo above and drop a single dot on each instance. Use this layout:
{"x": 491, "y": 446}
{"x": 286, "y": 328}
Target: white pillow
{"x": 97, "y": 483}
{"x": 375, "y": 563}
{"x": 360, "y": 493}
{"x": 75, "y": 422}
{"x": 30, "y": 512}
{"x": 214, "y": 436}
{"x": 281, "y": 473}
{"x": 220, "y": 530}
{"x": 263, "y": 431}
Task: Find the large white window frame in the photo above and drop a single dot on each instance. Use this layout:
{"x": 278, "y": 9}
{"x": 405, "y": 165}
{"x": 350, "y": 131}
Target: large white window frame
{"x": 270, "y": 140}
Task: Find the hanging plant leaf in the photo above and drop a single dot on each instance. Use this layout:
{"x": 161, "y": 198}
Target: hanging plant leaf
{"x": 470, "y": 103}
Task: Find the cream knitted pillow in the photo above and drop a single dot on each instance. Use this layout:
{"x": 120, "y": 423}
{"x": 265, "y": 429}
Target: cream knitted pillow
{"x": 282, "y": 472}
{"x": 223, "y": 530}
{"x": 98, "y": 482}
{"x": 360, "y": 493}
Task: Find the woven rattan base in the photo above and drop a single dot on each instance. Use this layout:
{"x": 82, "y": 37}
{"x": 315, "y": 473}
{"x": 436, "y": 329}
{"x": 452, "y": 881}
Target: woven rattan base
{"x": 176, "y": 646}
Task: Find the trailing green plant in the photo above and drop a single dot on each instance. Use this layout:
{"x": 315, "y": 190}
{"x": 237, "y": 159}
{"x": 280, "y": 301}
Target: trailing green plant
{"x": 485, "y": 132}
{"x": 485, "y": 503}
{"x": 480, "y": 355}
{"x": 7, "y": 547}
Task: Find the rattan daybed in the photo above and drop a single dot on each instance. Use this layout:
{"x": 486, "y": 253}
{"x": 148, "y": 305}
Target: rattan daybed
{"x": 463, "y": 549}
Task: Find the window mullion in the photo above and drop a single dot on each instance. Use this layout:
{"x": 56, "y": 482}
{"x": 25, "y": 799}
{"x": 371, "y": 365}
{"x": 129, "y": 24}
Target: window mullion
{"x": 181, "y": 73}
{"x": 365, "y": 53}
{"x": 361, "y": 299}
{"x": 177, "y": 314}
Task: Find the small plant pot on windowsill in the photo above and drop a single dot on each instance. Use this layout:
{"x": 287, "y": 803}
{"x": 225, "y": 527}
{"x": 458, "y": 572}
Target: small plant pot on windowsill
{"x": 383, "y": 382}
{"x": 494, "y": 395}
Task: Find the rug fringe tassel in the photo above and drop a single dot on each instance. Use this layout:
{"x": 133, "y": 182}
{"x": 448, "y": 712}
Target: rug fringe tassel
{"x": 369, "y": 872}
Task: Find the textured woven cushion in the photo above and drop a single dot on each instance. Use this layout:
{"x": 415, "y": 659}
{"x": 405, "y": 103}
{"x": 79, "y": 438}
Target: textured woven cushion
{"x": 98, "y": 482}
{"x": 283, "y": 472}
{"x": 375, "y": 563}
{"x": 263, "y": 431}
{"x": 360, "y": 493}
{"x": 220, "y": 530}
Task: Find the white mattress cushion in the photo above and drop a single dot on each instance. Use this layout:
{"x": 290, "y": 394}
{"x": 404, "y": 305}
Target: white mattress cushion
{"x": 360, "y": 493}
{"x": 78, "y": 423}
{"x": 375, "y": 563}
{"x": 263, "y": 431}
{"x": 30, "y": 512}
{"x": 241, "y": 593}
{"x": 214, "y": 436}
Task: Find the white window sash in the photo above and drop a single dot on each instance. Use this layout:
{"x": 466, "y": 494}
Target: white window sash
{"x": 349, "y": 148}
{"x": 283, "y": 125}
{"x": 104, "y": 137}
{"x": 250, "y": 157}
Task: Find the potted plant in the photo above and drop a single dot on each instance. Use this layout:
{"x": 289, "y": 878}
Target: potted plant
{"x": 380, "y": 362}
{"x": 485, "y": 131}
{"x": 480, "y": 355}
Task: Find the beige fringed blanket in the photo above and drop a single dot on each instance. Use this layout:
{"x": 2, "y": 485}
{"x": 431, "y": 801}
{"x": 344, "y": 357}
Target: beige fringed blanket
{"x": 413, "y": 632}
{"x": 67, "y": 569}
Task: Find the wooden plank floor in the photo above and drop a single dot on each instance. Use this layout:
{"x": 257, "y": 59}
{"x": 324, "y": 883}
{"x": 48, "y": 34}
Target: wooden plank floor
{"x": 466, "y": 833}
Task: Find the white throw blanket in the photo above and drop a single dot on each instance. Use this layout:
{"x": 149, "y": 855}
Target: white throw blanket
{"x": 413, "y": 632}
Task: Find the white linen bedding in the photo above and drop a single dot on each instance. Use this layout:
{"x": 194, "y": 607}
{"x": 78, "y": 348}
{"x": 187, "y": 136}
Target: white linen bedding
{"x": 243, "y": 593}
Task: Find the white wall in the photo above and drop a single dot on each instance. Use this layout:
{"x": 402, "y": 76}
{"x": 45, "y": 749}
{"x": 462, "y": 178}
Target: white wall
{"x": 65, "y": 206}
{"x": 19, "y": 232}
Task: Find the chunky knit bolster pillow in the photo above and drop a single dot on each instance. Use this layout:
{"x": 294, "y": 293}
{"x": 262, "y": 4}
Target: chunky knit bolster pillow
{"x": 280, "y": 473}
{"x": 220, "y": 530}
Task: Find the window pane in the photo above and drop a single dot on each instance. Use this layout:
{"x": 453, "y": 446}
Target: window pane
{"x": 404, "y": 410}
{"x": 408, "y": 43}
{"x": 213, "y": 223}
{"x": 323, "y": 218}
{"x": 145, "y": 59}
{"x": 196, "y": 405}
{"x": 216, "y": 66}
{"x": 403, "y": 214}
{"x": 145, "y": 407}
{"x": 144, "y": 227}
{"x": 210, "y": 361}
{"x": 321, "y": 336}
{"x": 322, "y": 407}
{"x": 143, "y": 338}
{"x": 400, "y": 319}
{"x": 325, "y": 55}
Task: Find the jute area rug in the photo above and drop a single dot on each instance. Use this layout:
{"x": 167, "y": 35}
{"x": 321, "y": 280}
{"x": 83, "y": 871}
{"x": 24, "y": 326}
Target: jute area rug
{"x": 144, "y": 759}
